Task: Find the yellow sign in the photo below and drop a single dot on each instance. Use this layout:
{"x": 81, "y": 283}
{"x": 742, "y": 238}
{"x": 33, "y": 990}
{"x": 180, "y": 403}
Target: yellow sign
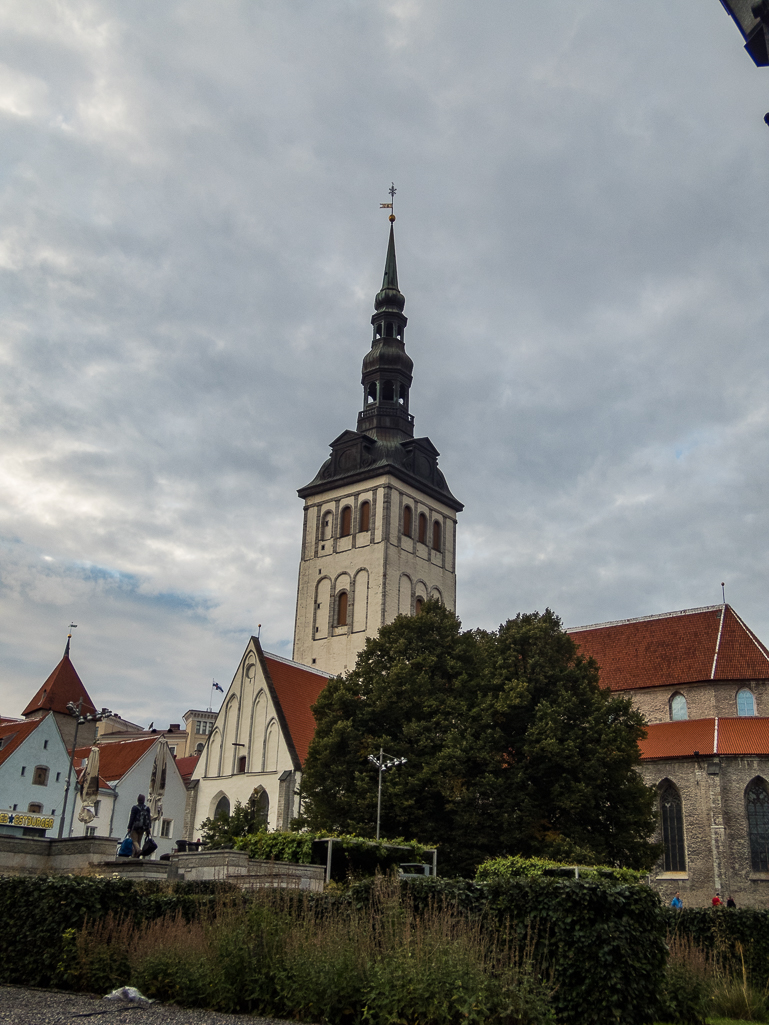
{"x": 17, "y": 818}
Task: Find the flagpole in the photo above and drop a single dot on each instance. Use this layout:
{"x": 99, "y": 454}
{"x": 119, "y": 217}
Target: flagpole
{"x": 211, "y": 697}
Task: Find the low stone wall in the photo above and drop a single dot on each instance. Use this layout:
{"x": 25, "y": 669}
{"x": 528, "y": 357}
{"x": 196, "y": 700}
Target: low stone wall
{"x": 237, "y": 867}
{"x": 23, "y": 855}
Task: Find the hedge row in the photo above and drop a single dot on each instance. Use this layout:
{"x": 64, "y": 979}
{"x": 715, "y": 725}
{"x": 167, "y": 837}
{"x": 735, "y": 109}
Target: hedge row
{"x": 734, "y": 936}
{"x": 36, "y": 911}
{"x": 603, "y": 942}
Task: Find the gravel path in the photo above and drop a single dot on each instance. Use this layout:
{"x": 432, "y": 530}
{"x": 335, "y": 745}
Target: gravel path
{"x": 54, "y": 1007}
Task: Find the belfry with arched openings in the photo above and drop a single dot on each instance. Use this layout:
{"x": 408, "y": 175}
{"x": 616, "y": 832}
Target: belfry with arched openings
{"x": 379, "y": 534}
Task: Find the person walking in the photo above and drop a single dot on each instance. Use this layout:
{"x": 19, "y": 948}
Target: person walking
{"x": 717, "y": 902}
{"x": 139, "y": 823}
{"x": 730, "y": 902}
{"x": 676, "y": 902}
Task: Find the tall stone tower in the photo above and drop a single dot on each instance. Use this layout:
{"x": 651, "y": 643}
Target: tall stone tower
{"x": 379, "y": 520}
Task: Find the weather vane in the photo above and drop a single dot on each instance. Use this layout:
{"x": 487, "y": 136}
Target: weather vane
{"x": 389, "y": 206}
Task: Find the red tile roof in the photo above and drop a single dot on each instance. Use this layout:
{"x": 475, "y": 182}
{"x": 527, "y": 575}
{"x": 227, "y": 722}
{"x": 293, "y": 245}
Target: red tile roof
{"x": 186, "y": 767}
{"x": 13, "y": 735}
{"x": 61, "y": 687}
{"x": 295, "y": 691}
{"x": 739, "y": 735}
{"x": 673, "y": 648}
{"x": 678, "y": 739}
{"x": 116, "y": 758}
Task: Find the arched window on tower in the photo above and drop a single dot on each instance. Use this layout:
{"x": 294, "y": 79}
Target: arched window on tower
{"x": 341, "y": 608}
{"x": 407, "y": 527}
{"x": 672, "y": 815}
{"x": 371, "y": 393}
{"x": 402, "y": 395}
{"x": 745, "y": 702}
{"x": 422, "y": 529}
{"x": 346, "y": 528}
{"x": 378, "y": 330}
{"x": 678, "y": 709}
{"x": 388, "y": 392}
{"x": 328, "y": 522}
{"x": 757, "y": 811}
{"x": 364, "y": 516}
{"x": 436, "y": 536}
{"x": 389, "y": 329}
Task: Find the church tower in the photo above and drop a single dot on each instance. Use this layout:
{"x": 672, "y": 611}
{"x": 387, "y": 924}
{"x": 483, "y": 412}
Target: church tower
{"x": 379, "y": 520}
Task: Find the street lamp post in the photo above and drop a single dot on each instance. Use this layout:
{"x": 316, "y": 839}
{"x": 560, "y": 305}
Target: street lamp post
{"x": 76, "y": 710}
{"x": 383, "y": 766}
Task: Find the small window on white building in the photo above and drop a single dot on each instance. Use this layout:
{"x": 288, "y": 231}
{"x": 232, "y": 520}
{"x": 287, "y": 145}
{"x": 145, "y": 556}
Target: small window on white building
{"x": 96, "y": 806}
{"x": 678, "y": 709}
{"x": 746, "y": 704}
{"x": 34, "y": 808}
{"x": 40, "y": 776}
{"x": 23, "y": 770}
{"x": 167, "y": 827}
{"x": 90, "y": 830}
{"x": 58, "y": 776}
{"x": 45, "y": 745}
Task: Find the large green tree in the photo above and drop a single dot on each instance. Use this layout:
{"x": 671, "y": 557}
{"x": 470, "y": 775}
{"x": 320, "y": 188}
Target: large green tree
{"x": 512, "y": 746}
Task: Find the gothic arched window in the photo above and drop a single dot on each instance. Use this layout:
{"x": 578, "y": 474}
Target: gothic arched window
{"x": 341, "y": 608}
{"x": 407, "y": 521}
{"x": 364, "y": 516}
{"x": 672, "y": 814}
{"x": 423, "y": 528}
{"x": 436, "y": 536}
{"x": 678, "y": 709}
{"x": 418, "y": 606}
{"x": 757, "y": 810}
{"x": 346, "y": 527}
{"x": 328, "y": 522}
{"x": 745, "y": 702}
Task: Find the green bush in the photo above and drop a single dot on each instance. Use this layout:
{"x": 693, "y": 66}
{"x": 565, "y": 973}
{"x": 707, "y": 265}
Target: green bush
{"x": 512, "y": 866}
{"x": 735, "y": 938}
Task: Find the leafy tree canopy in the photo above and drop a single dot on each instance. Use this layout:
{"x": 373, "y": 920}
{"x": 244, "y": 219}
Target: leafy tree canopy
{"x": 512, "y": 746}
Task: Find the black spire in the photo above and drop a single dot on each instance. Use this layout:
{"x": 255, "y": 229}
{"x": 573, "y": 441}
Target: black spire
{"x": 386, "y": 376}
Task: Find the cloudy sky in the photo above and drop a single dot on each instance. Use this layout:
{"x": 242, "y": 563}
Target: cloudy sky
{"x": 190, "y": 243}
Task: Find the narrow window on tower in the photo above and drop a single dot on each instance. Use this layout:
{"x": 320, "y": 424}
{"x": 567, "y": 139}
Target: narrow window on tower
{"x": 388, "y": 329}
{"x": 346, "y": 522}
{"x": 436, "y": 536}
{"x": 407, "y": 528}
{"x": 371, "y": 393}
{"x": 422, "y": 529}
{"x": 402, "y": 395}
{"x": 388, "y": 392}
{"x": 341, "y": 609}
{"x": 328, "y": 521}
{"x": 364, "y": 517}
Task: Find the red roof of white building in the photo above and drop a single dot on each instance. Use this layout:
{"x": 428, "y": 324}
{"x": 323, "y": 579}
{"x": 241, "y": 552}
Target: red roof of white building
{"x": 13, "y": 735}
{"x": 295, "y": 689}
{"x": 690, "y": 646}
{"x": 115, "y": 758}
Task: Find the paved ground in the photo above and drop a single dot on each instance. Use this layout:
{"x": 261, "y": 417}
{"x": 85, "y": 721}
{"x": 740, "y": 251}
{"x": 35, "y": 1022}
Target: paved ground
{"x": 53, "y": 1007}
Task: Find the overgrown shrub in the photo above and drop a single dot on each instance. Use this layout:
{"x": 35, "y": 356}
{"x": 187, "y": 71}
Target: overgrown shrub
{"x": 734, "y": 938}
{"x": 513, "y": 866}
{"x": 684, "y": 995}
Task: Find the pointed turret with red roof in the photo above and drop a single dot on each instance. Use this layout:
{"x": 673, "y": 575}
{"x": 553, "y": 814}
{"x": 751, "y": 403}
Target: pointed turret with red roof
{"x": 62, "y": 687}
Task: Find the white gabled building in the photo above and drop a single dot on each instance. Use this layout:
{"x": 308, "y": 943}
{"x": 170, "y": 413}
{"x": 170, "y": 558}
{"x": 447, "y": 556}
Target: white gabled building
{"x": 125, "y": 771}
{"x": 33, "y": 771}
{"x": 259, "y": 741}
